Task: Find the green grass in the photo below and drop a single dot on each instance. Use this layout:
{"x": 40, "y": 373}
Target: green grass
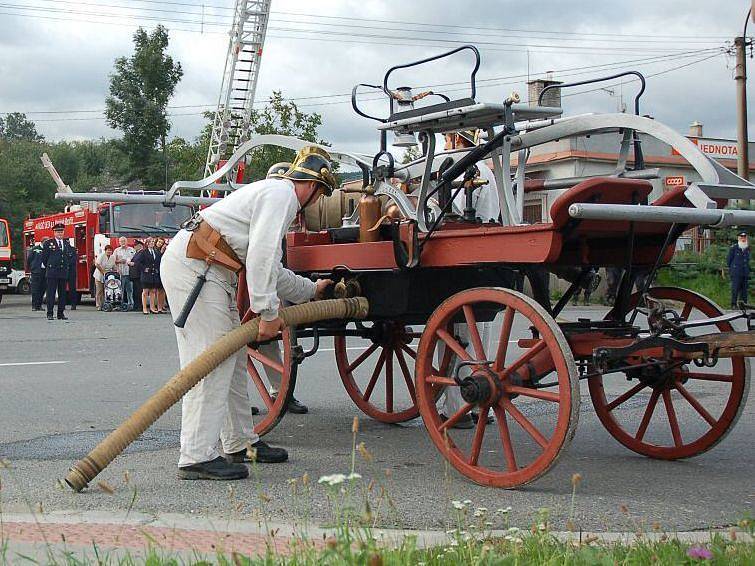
{"x": 708, "y": 284}
{"x": 541, "y": 548}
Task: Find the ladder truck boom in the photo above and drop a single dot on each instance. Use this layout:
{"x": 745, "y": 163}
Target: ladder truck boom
{"x": 232, "y": 122}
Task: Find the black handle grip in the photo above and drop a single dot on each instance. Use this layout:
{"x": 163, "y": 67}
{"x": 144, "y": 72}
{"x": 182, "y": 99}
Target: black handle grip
{"x": 472, "y": 77}
{"x": 180, "y": 321}
{"x": 355, "y": 106}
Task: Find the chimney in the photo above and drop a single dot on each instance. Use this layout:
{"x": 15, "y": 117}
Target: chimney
{"x": 551, "y": 98}
{"x": 696, "y": 129}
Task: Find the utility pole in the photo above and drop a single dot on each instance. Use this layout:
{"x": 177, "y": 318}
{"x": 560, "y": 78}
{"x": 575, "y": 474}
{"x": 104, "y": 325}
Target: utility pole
{"x": 740, "y": 76}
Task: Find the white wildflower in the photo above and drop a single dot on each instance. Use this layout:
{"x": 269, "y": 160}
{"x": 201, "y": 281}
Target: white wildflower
{"x": 334, "y": 479}
{"x": 503, "y": 511}
{"x": 458, "y": 504}
{"x": 467, "y": 502}
{"x": 354, "y": 476}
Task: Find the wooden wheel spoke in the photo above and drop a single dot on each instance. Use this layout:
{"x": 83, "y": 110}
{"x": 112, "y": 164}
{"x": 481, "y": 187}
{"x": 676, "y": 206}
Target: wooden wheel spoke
{"x": 503, "y": 341}
{"x": 411, "y": 353}
{"x": 375, "y": 376}
{"x": 686, "y": 310}
{"x": 648, "y": 414}
{"x": 407, "y": 375}
{"x": 362, "y": 357}
{"x": 389, "y": 381}
{"x": 671, "y": 413}
{"x": 453, "y": 344}
{"x": 260, "y": 384}
{"x": 456, "y": 417}
{"x": 525, "y": 423}
{"x": 474, "y": 332}
{"x": 439, "y": 380}
{"x": 479, "y": 435}
{"x": 695, "y": 404}
{"x": 534, "y": 393}
{"x": 709, "y": 376}
{"x": 526, "y": 357}
{"x": 263, "y": 359}
{"x": 625, "y": 396}
{"x": 503, "y": 431}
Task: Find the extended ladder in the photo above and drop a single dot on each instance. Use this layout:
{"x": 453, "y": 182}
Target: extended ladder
{"x": 231, "y": 126}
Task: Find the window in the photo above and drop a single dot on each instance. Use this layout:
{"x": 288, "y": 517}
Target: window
{"x": 4, "y": 241}
{"x": 153, "y": 219}
{"x": 533, "y": 212}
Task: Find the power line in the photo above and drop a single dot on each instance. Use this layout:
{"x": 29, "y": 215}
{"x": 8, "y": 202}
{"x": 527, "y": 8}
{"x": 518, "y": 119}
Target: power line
{"x": 678, "y": 67}
{"x": 320, "y": 32}
{"x": 227, "y": 20}
{"x": 571, "y": 71}
{"x": 393, "y": 44}
{"x": 427, "y": 24}
{"x": 663, "y": 72}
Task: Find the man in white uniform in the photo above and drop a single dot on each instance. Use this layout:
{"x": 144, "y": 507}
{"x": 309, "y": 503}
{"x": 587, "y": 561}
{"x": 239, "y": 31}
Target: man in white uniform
{"x": 486, "y": 204}
{"x": 246, "y": 226}
{"x": 272, "y": 349}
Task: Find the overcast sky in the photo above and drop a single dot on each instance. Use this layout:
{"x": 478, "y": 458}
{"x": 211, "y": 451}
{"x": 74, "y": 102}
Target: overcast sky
{"x": 54, "y": 58}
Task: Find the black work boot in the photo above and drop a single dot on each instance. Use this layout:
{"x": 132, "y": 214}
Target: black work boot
{"x": 297, "y": 408}
{"x": 217, "y": 469}
{"x": 265, "y": 454}
{"x": 293, "y": 406}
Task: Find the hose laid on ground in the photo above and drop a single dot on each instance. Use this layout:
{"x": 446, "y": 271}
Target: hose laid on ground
{"x": 116, "y": 442}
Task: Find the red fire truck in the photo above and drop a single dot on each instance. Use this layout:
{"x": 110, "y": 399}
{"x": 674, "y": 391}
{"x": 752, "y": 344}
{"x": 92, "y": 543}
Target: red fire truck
{"x": 92, "y": 226}
{"x": 6, "y": 257}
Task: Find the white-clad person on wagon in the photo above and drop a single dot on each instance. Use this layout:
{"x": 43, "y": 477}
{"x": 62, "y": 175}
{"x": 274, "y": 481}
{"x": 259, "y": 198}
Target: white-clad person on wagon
{"x": 485, "y": 201}
{"x": 250, "y": 223}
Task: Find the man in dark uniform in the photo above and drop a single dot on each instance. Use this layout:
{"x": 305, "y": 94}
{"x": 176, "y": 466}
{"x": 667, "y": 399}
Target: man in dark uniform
{"x": 57, "y": 255}
{"x": 739, "y": 269}
{"x": 36, "y": 267}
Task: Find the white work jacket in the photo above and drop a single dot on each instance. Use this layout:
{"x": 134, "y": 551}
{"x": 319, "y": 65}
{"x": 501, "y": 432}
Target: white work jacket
{"x": 484, "y": 198}
{"x": 253, "y": 220}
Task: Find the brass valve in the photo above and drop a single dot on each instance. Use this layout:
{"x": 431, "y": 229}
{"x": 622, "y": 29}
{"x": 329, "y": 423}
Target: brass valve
{"x": 347, "y": 288}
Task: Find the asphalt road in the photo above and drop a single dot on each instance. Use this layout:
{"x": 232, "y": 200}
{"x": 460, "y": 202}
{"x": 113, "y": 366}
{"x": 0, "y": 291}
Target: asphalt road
{"x": 64, "y": 385}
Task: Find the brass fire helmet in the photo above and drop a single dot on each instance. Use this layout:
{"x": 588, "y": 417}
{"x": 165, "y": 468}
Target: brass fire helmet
{"x": 313, "y": 164}
{"x": 277, "y": 170}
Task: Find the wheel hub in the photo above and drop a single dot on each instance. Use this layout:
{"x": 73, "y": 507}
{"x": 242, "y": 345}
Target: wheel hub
{"x": 481, "y": 388}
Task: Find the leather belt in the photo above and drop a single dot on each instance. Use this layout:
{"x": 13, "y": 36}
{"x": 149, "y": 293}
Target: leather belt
{"x": 207, "y": 244}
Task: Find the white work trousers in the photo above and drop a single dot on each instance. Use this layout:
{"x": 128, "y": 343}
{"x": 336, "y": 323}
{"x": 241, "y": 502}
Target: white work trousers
{"x": 217, "y": 408}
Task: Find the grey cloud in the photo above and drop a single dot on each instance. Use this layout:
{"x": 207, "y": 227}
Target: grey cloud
{"x": 58, "y": 65}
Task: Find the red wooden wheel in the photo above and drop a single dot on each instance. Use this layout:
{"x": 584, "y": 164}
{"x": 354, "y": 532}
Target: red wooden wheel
{"x": 258, "y": 364}
{"x": 379, "y": 376}
{"x": 272, "y": 408}
{"x": 699, "y": 405}
{"x": 532, "y": 391}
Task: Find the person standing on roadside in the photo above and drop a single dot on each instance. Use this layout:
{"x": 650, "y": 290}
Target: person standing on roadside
{"x": 133, "y": 275}
{"x": 160, "y": 247}
{"x": 102, "y": 265}
{"x": 148, "y": 266}
{"x": 739, "y": 270}
{"x": 37, "y": 270}
{"x": 57, "y": 256}
{"x": 124, "y": 254}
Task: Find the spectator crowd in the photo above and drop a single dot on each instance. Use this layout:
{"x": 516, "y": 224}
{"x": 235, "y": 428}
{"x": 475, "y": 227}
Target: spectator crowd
{"x": 52, "y": 264}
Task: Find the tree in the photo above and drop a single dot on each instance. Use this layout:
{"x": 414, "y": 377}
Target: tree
{"x": 410, "y": 154}
{"x": 140, "y": 88}
{"x": 16, "y": 127}
{"x": 282, "y": 117}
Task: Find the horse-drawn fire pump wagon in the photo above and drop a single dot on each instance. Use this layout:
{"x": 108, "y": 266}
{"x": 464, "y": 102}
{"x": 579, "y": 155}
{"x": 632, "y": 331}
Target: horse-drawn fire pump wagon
{"x": 666, "y": 371}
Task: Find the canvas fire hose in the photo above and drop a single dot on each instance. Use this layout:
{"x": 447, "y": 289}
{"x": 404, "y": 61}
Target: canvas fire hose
{"x": 86, "y": 469}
